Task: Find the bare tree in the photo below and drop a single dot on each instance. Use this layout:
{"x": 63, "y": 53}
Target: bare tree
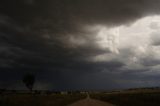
{"x": 29, "y": 80}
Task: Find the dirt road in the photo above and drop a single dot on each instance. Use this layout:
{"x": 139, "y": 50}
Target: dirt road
{"x": 90, "y": 102}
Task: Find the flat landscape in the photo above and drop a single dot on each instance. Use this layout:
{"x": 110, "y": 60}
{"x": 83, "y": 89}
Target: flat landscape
{"x": 39, "y": 100}
{"x": 137, "y": 97}
{"x": 133, "y": 97}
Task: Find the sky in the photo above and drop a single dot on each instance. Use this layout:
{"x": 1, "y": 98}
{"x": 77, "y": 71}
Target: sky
{"x": 80, "y": 44}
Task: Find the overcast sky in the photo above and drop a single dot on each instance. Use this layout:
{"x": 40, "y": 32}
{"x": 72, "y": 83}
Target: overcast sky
{"x": 80, "y": 44}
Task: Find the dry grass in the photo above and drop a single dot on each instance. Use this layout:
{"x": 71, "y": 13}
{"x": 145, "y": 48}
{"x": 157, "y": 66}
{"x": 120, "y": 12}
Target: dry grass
{"x": 39, "y": 100}
{"x": 130, "y": 98}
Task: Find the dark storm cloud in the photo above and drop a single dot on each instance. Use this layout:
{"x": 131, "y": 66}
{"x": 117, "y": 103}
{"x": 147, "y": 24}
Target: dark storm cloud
{"x": 150, "y": 61}
{"x": 49, "y": 37}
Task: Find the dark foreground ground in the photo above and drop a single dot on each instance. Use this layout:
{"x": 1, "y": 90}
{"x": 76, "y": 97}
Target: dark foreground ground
{"x": 130, "y": 98}
{"x": 39, "y": 100}
{"x": 121, "y": 98}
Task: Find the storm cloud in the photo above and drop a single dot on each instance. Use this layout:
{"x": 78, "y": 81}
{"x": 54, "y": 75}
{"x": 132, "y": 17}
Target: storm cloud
{"x": 90, "y": 44}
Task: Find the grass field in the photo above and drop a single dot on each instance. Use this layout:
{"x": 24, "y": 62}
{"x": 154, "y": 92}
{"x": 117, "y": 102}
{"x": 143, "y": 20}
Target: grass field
{"x": 130, "y": 98}
{"x": 39, "y": 100}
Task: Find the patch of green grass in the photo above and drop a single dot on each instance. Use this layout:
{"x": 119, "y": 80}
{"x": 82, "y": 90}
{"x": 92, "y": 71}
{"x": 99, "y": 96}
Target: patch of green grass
{"x": 130, "y": 99}
{"x": 39, "y": 100}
